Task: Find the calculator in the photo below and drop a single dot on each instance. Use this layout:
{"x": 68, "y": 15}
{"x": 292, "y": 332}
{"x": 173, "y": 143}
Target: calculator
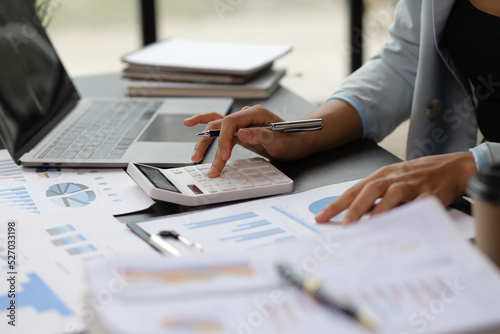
{"x": 190, "y": 185}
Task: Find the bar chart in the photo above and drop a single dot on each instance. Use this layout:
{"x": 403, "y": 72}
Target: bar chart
{"x": 60, "y": 229}
{"x": 35, "y": 293}
{"x": 19, "y": 199}
{"x": 243, "y": 228}
{"x": 68, "y": 238}
{"x": 9, "y": 170}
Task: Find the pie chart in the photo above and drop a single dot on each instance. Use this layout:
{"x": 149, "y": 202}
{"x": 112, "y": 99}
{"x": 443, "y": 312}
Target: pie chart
{"x": 70, "y": 195}
{"x": 317, "y": 206}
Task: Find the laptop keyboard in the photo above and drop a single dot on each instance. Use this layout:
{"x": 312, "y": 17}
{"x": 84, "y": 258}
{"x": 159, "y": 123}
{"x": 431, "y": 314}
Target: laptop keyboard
{"x": 104, "y": 131}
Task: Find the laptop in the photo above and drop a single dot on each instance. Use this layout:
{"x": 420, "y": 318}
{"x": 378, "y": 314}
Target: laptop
{"x": 44, "y": 122}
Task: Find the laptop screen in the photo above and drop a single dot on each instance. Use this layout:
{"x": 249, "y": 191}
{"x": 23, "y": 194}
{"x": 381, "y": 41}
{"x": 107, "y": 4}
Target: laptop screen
{"x": 35, "y": 90}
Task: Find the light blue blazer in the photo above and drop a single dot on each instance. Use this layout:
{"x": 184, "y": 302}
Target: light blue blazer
{"x": 414, "y": 77}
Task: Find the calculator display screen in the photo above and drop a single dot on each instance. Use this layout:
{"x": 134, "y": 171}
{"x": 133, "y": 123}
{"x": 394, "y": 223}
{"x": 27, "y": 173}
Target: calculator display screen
{"x": 157, "y": 178}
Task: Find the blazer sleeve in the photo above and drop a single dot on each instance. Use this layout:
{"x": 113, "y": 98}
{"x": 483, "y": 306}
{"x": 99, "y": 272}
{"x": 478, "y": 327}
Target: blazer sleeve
{"x": 382, "y": 89}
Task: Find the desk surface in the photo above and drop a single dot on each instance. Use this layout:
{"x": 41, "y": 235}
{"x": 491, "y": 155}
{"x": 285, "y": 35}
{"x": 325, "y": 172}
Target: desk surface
{"x": 349, "y": 162}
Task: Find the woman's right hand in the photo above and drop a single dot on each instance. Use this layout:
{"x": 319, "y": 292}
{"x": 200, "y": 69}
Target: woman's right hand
{"x": 274, "y": 145}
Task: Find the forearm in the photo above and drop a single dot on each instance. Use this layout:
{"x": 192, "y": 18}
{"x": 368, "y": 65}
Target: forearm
{"x": 341, "y": 125}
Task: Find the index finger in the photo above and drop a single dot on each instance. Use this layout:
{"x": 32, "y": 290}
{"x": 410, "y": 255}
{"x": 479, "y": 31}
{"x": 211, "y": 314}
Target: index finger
{"x": 248, "y": 116}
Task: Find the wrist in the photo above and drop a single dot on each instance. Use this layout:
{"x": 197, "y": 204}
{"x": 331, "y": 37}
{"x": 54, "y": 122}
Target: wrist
{"x": 467, "y": 164}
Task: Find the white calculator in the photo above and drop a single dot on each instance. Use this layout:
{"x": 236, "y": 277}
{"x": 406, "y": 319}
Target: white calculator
{"x": 190, "y": 185}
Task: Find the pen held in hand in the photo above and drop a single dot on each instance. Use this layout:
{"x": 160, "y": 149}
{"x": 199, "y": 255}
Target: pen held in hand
{"x": 291, "y": 126}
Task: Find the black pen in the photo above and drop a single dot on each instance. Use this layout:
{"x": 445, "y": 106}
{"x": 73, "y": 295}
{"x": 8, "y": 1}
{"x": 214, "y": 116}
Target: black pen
{"x": 291, "y": 126}
{"x": 313, "y": 287}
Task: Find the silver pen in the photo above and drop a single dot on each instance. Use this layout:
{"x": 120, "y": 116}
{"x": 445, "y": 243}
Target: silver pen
{"x": 290, "y": 126}
{"x": 175, "y": 235}
{"x": 157, "y": 241}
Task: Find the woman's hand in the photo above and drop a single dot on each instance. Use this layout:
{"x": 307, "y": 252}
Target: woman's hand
{"x": 444, "y": 176}
{"x": 265, "y": 142}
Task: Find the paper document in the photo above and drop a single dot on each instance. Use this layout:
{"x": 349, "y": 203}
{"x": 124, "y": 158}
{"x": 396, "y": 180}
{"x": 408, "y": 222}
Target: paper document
{"x": 45, "y": 190}
{"x": 256, "y": 223}
{"x": 49, "y": 253}
{"x": 260, "y": 222}
{"x": 203, "y": 56}
{"x": 409, "y": 268}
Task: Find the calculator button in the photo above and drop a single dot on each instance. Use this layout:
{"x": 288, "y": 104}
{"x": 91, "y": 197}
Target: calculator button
{"x": 251, "y": 171}
{"x": 211, "y": 190}
{"x": 263, "y": 182}
{"x": 203, "y": 167}
{"x": 177, "y": 171}
{"x": 220, "y": 181}
{"x": 244, "y": 164}
{"x": 273, "y": 174}
{"x": 189, "y": 168}
{"x": 280, "y": 180}
{"x": 233, "y": 174}
{"x": 246, "y": 185}
{"x": 227, "y": 187}
{"x": 257, "y": 177}
{"x": 239, "y": 180}
{"x": 258, "y": 161}
{"x": 267, "y": 169}
{"x": 194, "y": 173}
{"x": 228, "y": 169}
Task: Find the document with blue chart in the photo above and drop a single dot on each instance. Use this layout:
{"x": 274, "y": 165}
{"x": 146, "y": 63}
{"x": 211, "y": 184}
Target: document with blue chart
{"x": 409, "y": 268}
{"x": 51, "y": 189}
{"x": 51, "y": 251}
{"x": 256, "y": 223}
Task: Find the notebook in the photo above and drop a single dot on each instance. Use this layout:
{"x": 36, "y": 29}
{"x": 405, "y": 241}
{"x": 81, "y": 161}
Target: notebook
{"x": 184, "y": 55}
{"x": 261, "y": 87}
{"x": 44, "y": 122}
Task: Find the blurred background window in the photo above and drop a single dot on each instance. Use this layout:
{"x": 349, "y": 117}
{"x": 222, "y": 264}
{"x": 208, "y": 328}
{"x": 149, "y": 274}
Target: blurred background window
{"x": 92, "y": 35}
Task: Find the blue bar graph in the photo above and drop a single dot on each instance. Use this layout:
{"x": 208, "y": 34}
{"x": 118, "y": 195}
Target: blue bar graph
{"x": 247, "y": 229}
{"x": 81, "y": 249}
{"x": 223, "y": 220}
{"x": 61, "y": 229}
{"x": 36, "y": 294}
{"x": 256, "y": 235}
{"x": 68, "y": 240}
{"x": 247, "y": 226}
{"x": 17, "y": 198}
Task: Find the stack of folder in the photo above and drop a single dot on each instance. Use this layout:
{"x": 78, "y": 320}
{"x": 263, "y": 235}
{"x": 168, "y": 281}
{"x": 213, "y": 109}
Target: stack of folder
{"x": 180, "y": 67}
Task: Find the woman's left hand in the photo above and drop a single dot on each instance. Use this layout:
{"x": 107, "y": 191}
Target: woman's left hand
{"x": 443, "y": 176}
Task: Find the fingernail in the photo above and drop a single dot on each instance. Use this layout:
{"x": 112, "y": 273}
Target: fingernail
{"x": 244, "y": 134}
{"x": 194, "y": 155}
{"x": 211, "y": 171}
{"x": 346, "y": 221}
{"x": 320, "y": 217}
